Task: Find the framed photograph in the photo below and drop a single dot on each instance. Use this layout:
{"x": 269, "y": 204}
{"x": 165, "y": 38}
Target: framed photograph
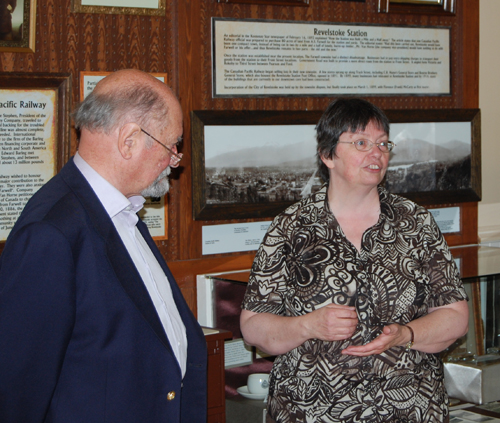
{"x": 417, "y": 6}
{"x": 250, "y": 164}
{"x": 120, "y": 7}
{"x": 270, "y": 2}
{"x": 437, "y": 158}
{"x": 34, "y": 138}
{"x": 253, "y": 164}
{"x": 17, "y": 26}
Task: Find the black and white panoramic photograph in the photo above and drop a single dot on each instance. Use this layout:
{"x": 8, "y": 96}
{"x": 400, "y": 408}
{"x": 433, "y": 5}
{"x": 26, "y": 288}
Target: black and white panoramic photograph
{"x": 430, "y": 156}
{"x": 262, "y": 164}
{"x": 259, "y": 163}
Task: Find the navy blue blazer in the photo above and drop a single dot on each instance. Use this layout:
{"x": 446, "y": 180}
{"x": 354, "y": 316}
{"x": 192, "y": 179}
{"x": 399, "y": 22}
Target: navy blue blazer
{"x": 80, "y": 339}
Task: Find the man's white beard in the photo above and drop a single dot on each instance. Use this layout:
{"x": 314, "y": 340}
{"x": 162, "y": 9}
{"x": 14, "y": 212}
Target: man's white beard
{"x": 159, "y": 187}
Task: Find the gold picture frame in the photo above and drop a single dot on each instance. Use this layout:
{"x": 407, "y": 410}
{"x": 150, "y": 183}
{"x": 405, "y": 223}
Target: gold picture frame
{"x": 122, "y": 7}
{"x": 18, "y": 35}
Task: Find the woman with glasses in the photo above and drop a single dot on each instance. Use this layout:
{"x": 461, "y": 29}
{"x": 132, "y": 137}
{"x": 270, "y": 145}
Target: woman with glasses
{"x": 355, "y": 290}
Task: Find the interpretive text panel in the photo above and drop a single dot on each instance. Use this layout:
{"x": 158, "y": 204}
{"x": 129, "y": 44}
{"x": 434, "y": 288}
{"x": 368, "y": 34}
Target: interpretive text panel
{"x": 269, "y": 58}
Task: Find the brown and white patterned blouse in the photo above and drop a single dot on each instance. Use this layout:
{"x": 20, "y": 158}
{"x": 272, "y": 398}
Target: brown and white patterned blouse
{"x": 404, "y": 268}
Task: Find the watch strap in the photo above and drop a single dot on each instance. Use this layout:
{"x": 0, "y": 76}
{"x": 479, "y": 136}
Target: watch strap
{"x": 412, "y": 340}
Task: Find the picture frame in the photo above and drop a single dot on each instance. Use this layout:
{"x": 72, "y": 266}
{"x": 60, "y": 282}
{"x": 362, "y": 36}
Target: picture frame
{"x": 119, "y": 7}
{"x": 446, "y": 121}
{"x": 220, "y": 192}
{"x": 34, "y": 133}
{"x": 428, "y": 7}
{"x": 19, "y": 34}
{"x": 304, "y": 3}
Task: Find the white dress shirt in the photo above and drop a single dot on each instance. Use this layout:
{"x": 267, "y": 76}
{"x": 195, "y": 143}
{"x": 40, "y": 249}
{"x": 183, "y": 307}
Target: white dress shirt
{"x": 122, "y": 211}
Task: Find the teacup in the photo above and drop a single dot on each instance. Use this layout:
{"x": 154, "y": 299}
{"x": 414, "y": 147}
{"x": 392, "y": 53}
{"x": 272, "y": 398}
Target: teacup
{"x": 258, "y": 383}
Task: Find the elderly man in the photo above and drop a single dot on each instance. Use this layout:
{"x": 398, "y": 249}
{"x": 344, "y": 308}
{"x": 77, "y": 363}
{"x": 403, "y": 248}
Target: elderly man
{"x": 93, "y": 327}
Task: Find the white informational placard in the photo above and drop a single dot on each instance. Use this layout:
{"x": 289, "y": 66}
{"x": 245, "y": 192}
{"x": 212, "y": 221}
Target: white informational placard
{"x": 265, "y": 58}
{"x": 89, "y": 83}
{"x": 28, "y": 132}
{"x": 153, "y": 215}
{"x": 90, "y": 80}
{"x": 233, "y": 237}
{"x": 447, "y": 218}
{"x": 237, "y": 353}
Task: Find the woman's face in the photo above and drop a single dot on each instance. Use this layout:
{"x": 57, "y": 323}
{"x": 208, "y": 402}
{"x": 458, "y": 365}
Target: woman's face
{"x": 359, "y": 168}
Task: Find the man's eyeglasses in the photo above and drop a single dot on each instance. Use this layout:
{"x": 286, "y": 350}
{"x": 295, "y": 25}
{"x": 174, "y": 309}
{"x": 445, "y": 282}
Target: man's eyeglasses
{"x": 176, "y": 157}
{"x": 365, "y": 145}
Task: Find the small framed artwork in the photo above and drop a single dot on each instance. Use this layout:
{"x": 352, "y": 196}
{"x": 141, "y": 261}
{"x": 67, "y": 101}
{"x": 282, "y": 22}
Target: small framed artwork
{"x": 34, "y": 137}
{"x": 417, "y": 6}
{"x": 17, "y": 26}
{"x": 270, "y": 2}
{"x": 253, "y": 164}
{"x": 120, "y": 7}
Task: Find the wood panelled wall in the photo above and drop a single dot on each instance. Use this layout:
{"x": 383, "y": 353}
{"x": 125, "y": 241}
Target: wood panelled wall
{"x": 180, "y": 44}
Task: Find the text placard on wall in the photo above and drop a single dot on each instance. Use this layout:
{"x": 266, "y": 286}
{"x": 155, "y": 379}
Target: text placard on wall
{"x": 270, "y": 58}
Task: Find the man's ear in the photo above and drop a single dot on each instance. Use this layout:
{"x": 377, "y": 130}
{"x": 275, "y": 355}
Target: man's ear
{"x": 129, "y": 139}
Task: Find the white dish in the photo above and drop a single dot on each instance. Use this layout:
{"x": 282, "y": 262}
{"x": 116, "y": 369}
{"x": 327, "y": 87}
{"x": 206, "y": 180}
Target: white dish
{"x": 243, "y": 391}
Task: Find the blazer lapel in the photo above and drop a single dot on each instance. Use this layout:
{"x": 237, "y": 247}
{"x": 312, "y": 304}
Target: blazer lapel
{"x": 117, "y": 254}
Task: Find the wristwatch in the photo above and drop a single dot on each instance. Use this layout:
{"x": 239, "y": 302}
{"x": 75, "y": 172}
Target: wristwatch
{"x": 411, "y": 342}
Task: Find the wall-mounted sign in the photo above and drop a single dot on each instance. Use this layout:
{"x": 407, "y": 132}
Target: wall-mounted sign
{"x": 34, "y": 136}
{"x": 279, "y": 58}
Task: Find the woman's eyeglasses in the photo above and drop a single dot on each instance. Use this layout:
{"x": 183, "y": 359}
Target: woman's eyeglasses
{"x": 365, "y": 145}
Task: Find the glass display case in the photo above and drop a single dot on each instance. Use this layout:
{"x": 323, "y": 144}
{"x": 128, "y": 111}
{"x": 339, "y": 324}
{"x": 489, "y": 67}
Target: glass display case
{"x": 480, "y": 270}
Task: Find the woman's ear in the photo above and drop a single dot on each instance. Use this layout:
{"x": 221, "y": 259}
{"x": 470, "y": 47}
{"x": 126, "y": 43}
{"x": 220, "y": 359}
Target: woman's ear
{"x": 329, "y": 162}
{"x": 129, "y": 139}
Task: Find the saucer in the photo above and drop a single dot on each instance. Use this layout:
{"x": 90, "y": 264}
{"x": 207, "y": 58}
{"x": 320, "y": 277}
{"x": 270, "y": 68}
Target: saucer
{"x": 243, "y": 391}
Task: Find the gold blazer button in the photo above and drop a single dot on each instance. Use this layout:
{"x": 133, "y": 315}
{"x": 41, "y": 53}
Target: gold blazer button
{"x": 171, "y": 395}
